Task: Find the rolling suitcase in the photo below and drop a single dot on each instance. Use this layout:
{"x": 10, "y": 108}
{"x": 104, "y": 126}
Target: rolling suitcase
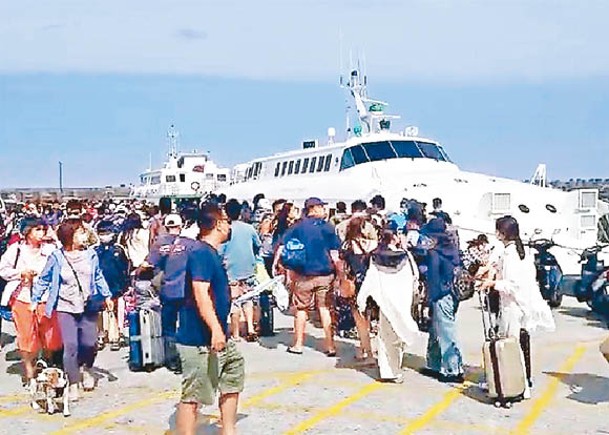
{"x": 503, "y": 363}
{"x": 266, "y": 315}
{"x": 146, "y": 346}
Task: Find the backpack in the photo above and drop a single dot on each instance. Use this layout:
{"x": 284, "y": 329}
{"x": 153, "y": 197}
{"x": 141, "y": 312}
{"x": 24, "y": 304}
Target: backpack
{"x": 294, "y": 256}
{"x": 115, "y": 267}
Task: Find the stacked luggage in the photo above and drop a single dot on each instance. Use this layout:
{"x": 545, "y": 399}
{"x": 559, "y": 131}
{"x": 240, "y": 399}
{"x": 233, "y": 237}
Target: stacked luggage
{"x": 146, "y": 344}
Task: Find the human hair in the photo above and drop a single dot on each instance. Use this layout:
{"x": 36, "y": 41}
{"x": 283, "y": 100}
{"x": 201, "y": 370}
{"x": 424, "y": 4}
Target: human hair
{"x": 355, "y": 229}
{"x": 233, "y": 209}
{"x": 257, "y": 199}
{"x": 132, "y": 222}
{"x": 341, "y": 207}
{"x": 222, "y": 198}
{"x": 378, "y": 201}
{"x": 209, "y": 215}
{"x": 282, "y": 222}
{"x": 436, "y": 203}
{"x": 358, "y": 206}
{"x": 277, "y": 202}
{"x": 165, "y": 205}
{"x": 65, "y": 232}
{"x": 509, "y": 229}
{"x": 386, "y": 237}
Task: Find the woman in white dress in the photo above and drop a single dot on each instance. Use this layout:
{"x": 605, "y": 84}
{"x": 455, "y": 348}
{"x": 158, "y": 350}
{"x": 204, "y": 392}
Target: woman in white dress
{"x": 522, "y": 308}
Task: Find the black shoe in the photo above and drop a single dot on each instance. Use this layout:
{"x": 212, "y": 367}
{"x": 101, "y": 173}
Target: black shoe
{"x": 426, "y": 371}
{"x": 452, "y": 379}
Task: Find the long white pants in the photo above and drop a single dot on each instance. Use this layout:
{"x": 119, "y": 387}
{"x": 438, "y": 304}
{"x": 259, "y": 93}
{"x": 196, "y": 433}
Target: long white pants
{"x": 390, "y": 350}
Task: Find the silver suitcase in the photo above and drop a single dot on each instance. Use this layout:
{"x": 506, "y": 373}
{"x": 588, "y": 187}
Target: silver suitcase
{"x": 153, "y": 350}
{"x": 503, "y": 364}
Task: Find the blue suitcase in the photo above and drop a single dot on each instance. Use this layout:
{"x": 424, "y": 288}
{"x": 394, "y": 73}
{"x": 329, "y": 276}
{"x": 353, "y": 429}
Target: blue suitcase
{"x": 146, "y": 346}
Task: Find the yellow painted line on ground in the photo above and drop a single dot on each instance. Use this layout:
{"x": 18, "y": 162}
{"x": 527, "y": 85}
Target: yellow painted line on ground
{"x": 288, "y": 382}
{"x": 5, "y": 413}
{"x": 544, "y": 400}
{"x": 100, "y": 419}
{"x": 334, "y": 409}
{"x": 13, "y": 398}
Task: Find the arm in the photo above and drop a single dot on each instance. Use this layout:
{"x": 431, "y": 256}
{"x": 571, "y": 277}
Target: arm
{"x": 7, "y": 264}
{"x": 98, "y": 276}
{"x": 42, "y": 284}
{"x": 256, "y": 242}
{"x": 205, "y": 305}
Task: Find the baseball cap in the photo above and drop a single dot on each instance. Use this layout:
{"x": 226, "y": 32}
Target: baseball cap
{"x": 312, "y": 202}
{"x": 173, "y": 220}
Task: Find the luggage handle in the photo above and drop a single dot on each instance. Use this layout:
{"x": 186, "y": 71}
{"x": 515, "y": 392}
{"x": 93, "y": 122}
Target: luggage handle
{"x": 489, "y": 329}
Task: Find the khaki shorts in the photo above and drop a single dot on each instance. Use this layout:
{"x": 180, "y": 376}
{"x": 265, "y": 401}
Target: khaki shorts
{"x": 205, "y": 372}
{"x": 311, "y": 291}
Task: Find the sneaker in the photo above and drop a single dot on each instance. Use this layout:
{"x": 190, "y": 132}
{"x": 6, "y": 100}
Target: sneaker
{"x": 88, "y": 381}
{"x": 73, "y": 393}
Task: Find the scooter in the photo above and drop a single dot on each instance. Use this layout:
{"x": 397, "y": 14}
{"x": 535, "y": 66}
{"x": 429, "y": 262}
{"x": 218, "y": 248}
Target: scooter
{"x": 549, "y": 273}
{"x": 591, "y": 285}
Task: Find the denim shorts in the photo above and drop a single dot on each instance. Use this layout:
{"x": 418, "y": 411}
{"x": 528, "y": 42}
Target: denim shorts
{"x": 205, "y": 372}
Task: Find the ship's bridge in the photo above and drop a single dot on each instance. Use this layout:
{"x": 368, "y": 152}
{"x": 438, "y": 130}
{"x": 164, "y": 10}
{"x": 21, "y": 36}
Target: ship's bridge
{"x": 391, "y": 149}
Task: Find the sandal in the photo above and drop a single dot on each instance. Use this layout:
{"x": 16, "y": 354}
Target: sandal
{"x": 251, "y": 338}
{"x": 330, "y": 353}
{"x": 294, "y": 350}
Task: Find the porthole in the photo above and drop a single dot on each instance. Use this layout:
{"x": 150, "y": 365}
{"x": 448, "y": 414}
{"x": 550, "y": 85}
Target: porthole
{"x": 551, "y": 208}
{"x": 523, "y": 208}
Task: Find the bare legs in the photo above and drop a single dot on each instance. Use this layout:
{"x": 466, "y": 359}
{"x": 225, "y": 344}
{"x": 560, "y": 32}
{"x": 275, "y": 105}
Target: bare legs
{"x": 186, "y": 417}
{"x": 363, "y": 331}
{"x": 300, "y": 322}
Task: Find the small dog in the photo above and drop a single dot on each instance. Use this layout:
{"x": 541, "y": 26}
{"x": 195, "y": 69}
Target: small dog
{"x": 51, "y": 387}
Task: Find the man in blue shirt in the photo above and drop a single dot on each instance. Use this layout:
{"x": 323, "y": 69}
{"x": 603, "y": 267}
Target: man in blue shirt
{"x": 209, "y": 362}
{"x": 313, "y": 283}
{"x": 239, "y": 254}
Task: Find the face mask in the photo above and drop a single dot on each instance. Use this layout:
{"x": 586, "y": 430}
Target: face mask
{"x": 106, "y": 238}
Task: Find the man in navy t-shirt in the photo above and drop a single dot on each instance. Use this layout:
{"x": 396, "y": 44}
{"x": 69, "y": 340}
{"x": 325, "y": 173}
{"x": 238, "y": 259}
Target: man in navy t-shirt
{"x": 313, "y": 283}
{"x": 209, "y": 362}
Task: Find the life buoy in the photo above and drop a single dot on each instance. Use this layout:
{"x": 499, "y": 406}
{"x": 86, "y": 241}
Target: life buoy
{"x": 195, "y": 185}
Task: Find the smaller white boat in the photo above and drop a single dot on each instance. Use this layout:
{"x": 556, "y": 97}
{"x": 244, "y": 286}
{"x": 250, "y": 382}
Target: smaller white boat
{"x": 184, "y": 175}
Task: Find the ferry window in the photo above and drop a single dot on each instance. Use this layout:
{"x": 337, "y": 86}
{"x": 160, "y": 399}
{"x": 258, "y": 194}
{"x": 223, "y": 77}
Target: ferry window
{"x": 406, "y": 148}
{"x": 155, "y": 180}
{"x": 312, "y": 167}
{"x": 182, "y": 178}
{"x": 256, "y": 169}
{"x": 291, "y": 167}
{"x": 347, "y": 161}
{"x": 446, "y": 158}
{"x": 320, "y": 163}
{"x": 170, "y": 178}
{"x": 277, "y": 169}
{"x": 359, "y": 155}
{"x": 297, "y": 167}
{"x": 523, "y": 208}
{"x": 221, "y": 177}
{"x": 328, "y": 163}
{"x": 431, "y": 151}
{"x": 305, "y": 165}
{"x": 283, "y": 168}
{"x": 551, "y": 208}
{"x": 379, "y": 151}
{"x": 209, "y": 176}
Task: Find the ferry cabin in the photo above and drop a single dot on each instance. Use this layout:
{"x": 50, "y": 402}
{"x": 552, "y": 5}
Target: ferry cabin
{"x": 398, "y": 166}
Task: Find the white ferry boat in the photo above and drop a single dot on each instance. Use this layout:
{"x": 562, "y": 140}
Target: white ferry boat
{"x": 184, "y": 175}
{"x": 376, "y": 160}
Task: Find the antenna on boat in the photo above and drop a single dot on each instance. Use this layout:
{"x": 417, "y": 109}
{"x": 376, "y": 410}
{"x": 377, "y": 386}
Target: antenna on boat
{"x": 172, "y": 137}
{"x": 540, "y": 177}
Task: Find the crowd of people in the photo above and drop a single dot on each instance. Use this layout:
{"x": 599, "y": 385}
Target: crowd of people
{"x": 68, "y": 272}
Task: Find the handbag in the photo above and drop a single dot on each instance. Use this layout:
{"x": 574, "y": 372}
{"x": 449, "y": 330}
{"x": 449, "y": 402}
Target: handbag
{"x": 92, "y": 304}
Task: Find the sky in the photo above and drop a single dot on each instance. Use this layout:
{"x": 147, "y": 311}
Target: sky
{"x": 503, "y": 85}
